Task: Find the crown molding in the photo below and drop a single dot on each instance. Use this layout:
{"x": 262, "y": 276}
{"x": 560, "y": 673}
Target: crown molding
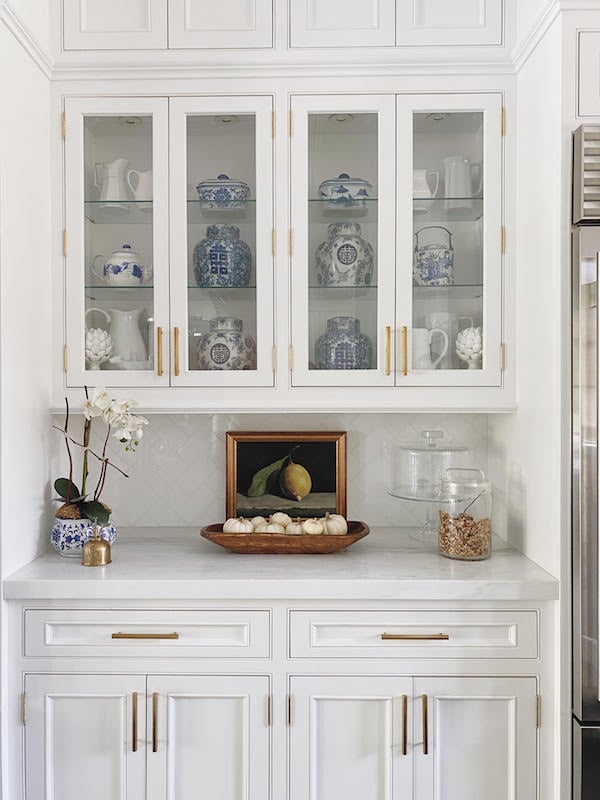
{"x": 540, "y": 27}
{"x": 41, "y": 59}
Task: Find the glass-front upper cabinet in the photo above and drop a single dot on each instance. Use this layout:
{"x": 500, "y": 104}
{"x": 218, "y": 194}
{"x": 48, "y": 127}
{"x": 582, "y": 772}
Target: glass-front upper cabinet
{"x": 343, "y": 240}
{"x": 221, "y": 155}
{"x": 116, "y": 241}
{"x": 449, "y": 217}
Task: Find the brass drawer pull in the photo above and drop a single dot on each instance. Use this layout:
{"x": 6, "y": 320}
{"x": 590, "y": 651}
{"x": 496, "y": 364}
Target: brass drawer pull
{"x": 416, "y": 636}
{"x": 425, "y": 728}
{"x": 134, "y": 716}
{"x": 145, "y": 636}
{"x": 404, "y": 724}
{"x": 155, "y": 722}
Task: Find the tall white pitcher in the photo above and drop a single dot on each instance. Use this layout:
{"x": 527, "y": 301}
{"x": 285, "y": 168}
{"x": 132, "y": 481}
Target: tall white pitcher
{"x": 459, "y": 182}
{"x": 110, "y": 179}
{"x": 125, "y": 332}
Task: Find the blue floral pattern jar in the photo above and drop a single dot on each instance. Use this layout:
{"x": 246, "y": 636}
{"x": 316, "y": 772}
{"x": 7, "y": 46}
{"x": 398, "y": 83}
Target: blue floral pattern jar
{"x": 345, "y": 258}
{"x": 343, "y": 346}
{"x": 68, "y": 535}
{"x": 226, "y": 346}
{"x": 222, "y": 259}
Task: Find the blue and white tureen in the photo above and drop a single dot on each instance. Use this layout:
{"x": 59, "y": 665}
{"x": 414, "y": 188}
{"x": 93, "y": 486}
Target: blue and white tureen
{"x": 345, "y": 192}
{"x": 222, "y": 193}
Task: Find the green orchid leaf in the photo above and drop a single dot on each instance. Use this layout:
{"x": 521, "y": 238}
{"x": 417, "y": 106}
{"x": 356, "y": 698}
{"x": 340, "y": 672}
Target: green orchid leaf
{"x": 264, "y": 477}
{"x": 62, "y": 487}
{"x": 95, "y": 511}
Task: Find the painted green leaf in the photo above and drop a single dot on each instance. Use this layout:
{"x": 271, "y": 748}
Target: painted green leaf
{"x": 265, "y": 476}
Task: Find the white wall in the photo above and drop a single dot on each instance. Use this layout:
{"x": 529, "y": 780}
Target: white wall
{"x": 34, "y": 17}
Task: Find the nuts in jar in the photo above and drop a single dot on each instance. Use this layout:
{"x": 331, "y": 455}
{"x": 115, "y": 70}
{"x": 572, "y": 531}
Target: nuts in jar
{"x": 464, "y": 537}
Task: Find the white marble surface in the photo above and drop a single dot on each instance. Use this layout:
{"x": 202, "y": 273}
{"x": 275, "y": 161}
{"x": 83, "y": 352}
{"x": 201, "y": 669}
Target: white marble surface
{"x": 176, "y": 563}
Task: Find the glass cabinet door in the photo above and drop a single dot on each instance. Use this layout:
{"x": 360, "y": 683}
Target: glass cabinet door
{"x": 222, "y": 241}
{"x": 449, "y": 260}
{"x": 116, "y": 241}
{"x": 342, "y": 240}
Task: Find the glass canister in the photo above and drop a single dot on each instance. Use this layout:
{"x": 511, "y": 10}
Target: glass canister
{"x": 465, "y": 512}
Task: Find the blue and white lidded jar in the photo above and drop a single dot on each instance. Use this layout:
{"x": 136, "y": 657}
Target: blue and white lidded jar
{"x": 345, "y": 258}
{"x": 69, "y": 535}
{"x": 343, "y": 346}
{"x": 226, "y": 346}
{"x": 222, "y": 193}
{"x": 222, "y": 259}
{"x": 433, "y": 263}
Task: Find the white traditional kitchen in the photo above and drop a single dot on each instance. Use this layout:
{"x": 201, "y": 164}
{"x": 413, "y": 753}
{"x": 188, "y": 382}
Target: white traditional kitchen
{"x": 330, "y": 237}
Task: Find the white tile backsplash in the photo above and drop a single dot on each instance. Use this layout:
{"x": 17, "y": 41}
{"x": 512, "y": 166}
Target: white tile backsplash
{"x": 177, "y": 474}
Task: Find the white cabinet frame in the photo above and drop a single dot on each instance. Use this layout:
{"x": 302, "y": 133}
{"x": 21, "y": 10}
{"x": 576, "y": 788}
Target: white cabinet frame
{"x": 97, "y": 25}
{"x": 342, "y": 23}
{"x": 226, "y": 24}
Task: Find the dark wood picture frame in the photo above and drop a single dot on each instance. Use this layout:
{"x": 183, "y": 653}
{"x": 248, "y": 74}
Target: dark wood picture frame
{"x": 324, "y": 454}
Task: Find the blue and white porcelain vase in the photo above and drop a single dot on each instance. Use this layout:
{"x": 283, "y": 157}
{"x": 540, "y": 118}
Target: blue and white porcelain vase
{"x": 433, "y": 263}
{"x": 343, "y": 346}
{"x": 69, "y": 535}
{"x": 222, "y": 259}
{"x": 226, "y": 346}
{"x": 345, "y": 258}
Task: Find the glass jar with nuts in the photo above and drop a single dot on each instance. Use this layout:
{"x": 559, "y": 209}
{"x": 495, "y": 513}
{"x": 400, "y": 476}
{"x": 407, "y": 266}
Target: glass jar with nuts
{"x": 465, "y": 514}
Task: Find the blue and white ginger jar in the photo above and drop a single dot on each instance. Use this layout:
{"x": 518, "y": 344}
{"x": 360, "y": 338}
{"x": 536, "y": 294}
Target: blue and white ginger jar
{"x": 226, "y": 346}
{"x": 345, "y": 258}
{"x": 222, "y": 193}
{"x": 68, "y": 535}
{"x": 222, "y": 259}
{"x": 343, "y": 346}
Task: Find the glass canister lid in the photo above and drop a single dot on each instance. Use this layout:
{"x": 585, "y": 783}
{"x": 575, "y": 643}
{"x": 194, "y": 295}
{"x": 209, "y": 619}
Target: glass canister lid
{"x": 463, "y": 484}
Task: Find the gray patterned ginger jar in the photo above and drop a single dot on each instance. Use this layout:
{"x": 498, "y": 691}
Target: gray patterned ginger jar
{"x": 226, "y": 346}
{"x": 343, "y": 346}
{"x": 344, "y": 258}
{"x": 222, "y": 259}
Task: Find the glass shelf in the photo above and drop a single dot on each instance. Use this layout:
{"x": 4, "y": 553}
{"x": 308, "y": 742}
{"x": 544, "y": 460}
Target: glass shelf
{"x": 129, "y": 212}
{"x": 458, "y": 291}
{"x": 325, "y": 211}
{"x": 447, "y": 209}
{"x": 144, "y": 292}
{"x": 229, "y": 293}
{"x": 197, "y": 215}
{"x": 341, "y": 292}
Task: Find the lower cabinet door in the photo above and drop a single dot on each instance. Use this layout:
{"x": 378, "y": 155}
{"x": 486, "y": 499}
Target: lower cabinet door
{"x": 475, "y": 738}
{"x": 349, "y": 738}
{"x": 79, "y": 737}
{"x": 208, "y": 737}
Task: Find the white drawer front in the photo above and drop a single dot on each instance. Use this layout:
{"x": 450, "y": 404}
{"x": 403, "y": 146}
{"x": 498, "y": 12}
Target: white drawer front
{"x": 413, "y": 634}
{"x": 114, "y": 633}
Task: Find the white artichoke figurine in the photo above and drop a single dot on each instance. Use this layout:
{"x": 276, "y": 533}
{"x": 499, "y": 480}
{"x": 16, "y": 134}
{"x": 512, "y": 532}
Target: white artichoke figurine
{"x": 98, "y": 347}
{"x": 469, "y": 347}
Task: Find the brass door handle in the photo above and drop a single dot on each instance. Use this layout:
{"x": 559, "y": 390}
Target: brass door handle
{"x": 404, "y": 724}
{"x": 387, "y": 357}
{"x": 176, "y": 350}
{"x": 134, "y": 723}
{"x": 145, "y": 636}
{"x": 404, "y": 350}
{"x": 425, "y": 725}
{"x": 155, "y": 722}
{"x": 159, "y": 343}
{"x": 416, "y": 636}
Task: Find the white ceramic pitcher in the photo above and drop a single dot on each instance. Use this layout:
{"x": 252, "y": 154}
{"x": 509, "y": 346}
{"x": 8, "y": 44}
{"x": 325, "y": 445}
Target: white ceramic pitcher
{"x": 423, "y": 180}
{"x": 421, "y": 348}
{"x": 459, "y": 181}
{"x": 450, "y": 323}
{"x": 110, "y": 179}
{"x": 143, "y": 184}
{"x": 128, "y": 343}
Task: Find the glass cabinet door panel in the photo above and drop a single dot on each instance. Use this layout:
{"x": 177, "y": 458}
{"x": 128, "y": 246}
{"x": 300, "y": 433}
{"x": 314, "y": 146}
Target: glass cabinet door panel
{"x": 222, "y": 261}
{"x": 342, "y": 210}
{"x": 116, "y": 239}
{"x": 452, "y": 323}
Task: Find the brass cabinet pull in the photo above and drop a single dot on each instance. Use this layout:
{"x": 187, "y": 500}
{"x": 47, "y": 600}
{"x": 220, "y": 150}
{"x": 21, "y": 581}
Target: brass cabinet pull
{"x": 159, "y": 340}
{"x": 145, "y": 636}
{"x": 388, "y": 338}
{"x": 176, "y": 350}
{"x": 134, "y": 713}
{"x": 416, "y": 636}
{"x": 425, "y": 728}
{"x": 404, "y": 350}
{"x": 404, "y": 724}
{"x": 155, "y": 722}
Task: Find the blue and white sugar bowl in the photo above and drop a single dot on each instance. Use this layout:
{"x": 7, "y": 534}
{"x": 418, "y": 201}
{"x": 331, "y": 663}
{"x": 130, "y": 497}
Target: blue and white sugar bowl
{"x": 345, "y": 192}
{"x": 344, "y": 258}
{"x": 222, "y": 259}
{"x": 343, "y": 346}
{"x": 222, "y": 193}
{"x": 433, "y": 263}
{"x": 122, "y": 268}
{"x": 226, "y": 346}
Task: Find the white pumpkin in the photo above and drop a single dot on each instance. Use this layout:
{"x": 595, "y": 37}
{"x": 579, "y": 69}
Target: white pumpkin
{"x": 334, "y": 524}
{"x": 294, "y": 528}
{"x": 272, "y": 527}
{"x": 261, "y": 528}
{"x": 256, "y": 521}
{"x": 280, "y": 518}
{"x": 312, "y": 526}
{"x": 239, "y": 525}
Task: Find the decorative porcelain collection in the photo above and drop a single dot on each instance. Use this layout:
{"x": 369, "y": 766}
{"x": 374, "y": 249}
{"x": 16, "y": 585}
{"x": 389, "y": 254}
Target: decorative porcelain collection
{"x": 68, "y": 535}
{"x": 422, "y": 339}
{"x": 226, "y": 346}
{"x": 122, "y": 268}
{"x": 222, "y": 193}
{"x": 423, "y": 180}
{"x": 222, "y": 259}
{"x": 128, "y": 344}
{"x": 98, "y": 347}
{"x": 459, "y": 182}
{"x": 345, "y": 258}
{"x": 345, "y": 192}
{"x": 469, "y": 347}
{"x": 450, "y": 324}
{"x": 433, "y": 263}
{"x": 343, "y": 346}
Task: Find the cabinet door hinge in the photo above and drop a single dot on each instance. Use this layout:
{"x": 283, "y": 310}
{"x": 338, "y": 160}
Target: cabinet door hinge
{"x": 273, "y": 242}
{"x": 63, "y": 125}
{"x": 291, "y": 358}
{"x": 502, "y": 239}
{"x": 291, "y": 241}
{"x": 503, "y": 122}
{"x": 291, "y": 124}
{"x": 65, "y": 357}
{"x": 274, "y": 359}
{"x": 538, "y": 711}
{"x": 64, "y": 242}
{"x": 269, "y": 716}
{"x": 24, "y": 708}
{"x": 289, "y": 709}
{"x": 502, "y": 356}
{"x": 272, "y": 124}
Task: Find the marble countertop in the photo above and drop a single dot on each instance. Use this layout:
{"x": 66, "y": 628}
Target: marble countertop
{"x": 176, "y": 563}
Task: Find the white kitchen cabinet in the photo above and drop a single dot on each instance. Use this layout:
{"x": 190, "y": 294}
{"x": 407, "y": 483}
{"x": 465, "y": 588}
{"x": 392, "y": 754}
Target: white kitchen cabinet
{"x": 398, "y": 737}
{"x": 123, "y": 185}
{"x": 589, "y": 74}
{"x": 397, "y": 231}
{"x": 439, "y": 23}
{"x": 227, "y": 24}
{"x": 113, "y": 25}
{"x": 130, "y": 737}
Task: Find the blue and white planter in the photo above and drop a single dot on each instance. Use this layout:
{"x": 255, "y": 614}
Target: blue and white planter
{"x": 345, "y": 258}
{"x": 222, "y": 259}
{"x": 343, "y": 346}
{"x": 226, "y": 346}
{"x": 69, "y": 535}
{"x": 222, "y": 193}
